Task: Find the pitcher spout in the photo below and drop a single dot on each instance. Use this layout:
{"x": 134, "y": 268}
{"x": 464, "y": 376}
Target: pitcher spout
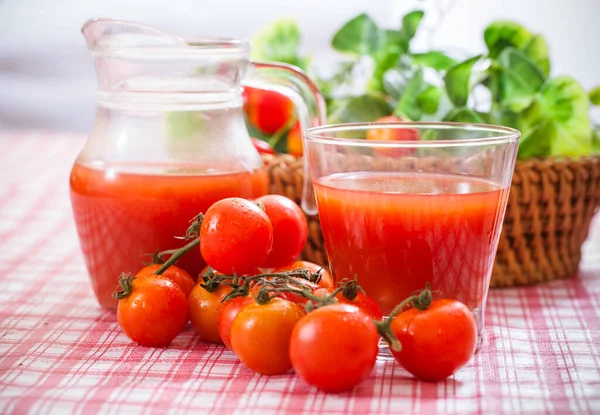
{"x": 101, "y": 32}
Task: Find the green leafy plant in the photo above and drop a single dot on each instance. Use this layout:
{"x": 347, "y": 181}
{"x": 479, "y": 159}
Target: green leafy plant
{"x": 552, "y": 113}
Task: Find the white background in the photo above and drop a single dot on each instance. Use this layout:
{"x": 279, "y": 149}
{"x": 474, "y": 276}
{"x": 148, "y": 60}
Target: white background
{"x": 47, "y": 78}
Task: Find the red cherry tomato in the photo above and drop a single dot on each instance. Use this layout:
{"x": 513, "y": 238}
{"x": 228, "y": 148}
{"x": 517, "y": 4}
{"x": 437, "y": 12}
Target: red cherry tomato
{"x": 393, "y": 134}
{"x": 326, "y": 279}
{"x": 294, "y": 141}
{"x": 236, "y": 236}
{"x": 260, "y": 335}
{"x": 436, "y": 342}
{"x": 290, "y": 230}
{"x": 365, "y": 303}
{"x": 269, "y": 111}
{"x": 228, "y": 313}
{"x": 205, "y": 308}
{"x": 153, "y": 311}
{"x": 262, "y": 146}
{"x": 173, "y": 273}
{"x": 334, "y": 347}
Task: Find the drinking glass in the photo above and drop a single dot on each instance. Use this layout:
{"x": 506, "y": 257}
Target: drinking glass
{"x": 425, "y": 207}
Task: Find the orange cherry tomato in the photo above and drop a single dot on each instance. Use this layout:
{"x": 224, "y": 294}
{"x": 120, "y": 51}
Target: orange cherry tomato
{"x": 153, "y": 311}
{"x": 294, "y": 141}
{"x": 204, "y": 309}
{"x": 173, "y": 273}
{"x": 260, "y": 335}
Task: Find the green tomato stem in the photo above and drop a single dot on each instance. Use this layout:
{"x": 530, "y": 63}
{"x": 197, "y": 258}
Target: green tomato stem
{"x": 420, "y": 301}
{"x": 178, "y": 253}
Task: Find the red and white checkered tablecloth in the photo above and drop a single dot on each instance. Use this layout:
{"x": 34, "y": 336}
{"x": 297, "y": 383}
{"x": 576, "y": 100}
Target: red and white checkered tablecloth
{"x": 61, "y": 353}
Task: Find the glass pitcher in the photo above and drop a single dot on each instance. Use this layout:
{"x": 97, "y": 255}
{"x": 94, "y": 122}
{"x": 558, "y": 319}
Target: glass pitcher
{"x": 169, "y": 140}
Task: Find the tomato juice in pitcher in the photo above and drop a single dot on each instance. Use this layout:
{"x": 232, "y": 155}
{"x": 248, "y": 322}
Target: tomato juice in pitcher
{"x": 169, "y": 140}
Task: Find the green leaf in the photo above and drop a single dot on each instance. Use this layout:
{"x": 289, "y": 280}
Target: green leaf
{"x": 557, "y": 123}
{"x": 457, "y": 81}
{"x": 520, "y": 79}
{"x": 407, "y": 106}
{"x": 429, "y": 100}
{"x": 594, "y": 95}
{"x": 501, "y": 34}
{"x": 364, "y": 108}
{"x": 361, "y": 35}
{"x": 384, "y": 60}
{"x": 500, "y": 116}
{"x": 434, "y": 59}
{"x": 410, "y": 23}
{"x": 464, "y": 114}
{"x": 395, "y": 39}
{"x": 279, "y": 42}
{"x": 537, "y": 50}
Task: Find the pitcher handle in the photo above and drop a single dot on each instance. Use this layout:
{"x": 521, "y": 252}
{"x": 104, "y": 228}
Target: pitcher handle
{"x": 308, "y": 102}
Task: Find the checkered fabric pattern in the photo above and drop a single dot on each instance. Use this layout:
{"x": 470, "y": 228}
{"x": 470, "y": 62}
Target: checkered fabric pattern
{"x": 61, "y": 353}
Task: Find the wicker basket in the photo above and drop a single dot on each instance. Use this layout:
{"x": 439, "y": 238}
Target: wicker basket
{"x": 550, "y": 207}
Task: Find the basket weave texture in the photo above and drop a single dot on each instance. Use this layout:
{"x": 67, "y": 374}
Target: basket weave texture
{"x": 550, "y": 208}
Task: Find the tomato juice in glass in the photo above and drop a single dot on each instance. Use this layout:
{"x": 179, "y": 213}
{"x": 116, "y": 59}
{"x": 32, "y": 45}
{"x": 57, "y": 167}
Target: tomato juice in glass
{"x": 122, "y": 214}
{"x": 401, "y": 214}
{"x": 397, "y": 232}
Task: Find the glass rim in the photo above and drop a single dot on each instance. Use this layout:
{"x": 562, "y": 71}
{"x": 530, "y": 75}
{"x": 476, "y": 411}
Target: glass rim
{"x": 320, "y": 134}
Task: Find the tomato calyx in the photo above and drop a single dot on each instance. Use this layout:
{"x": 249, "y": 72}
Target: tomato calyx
{"x": 125, "y": 285}
{"x": 274, "y": 287}
{"x": 194, "y": 229}
{"x": 350, "y": 288}
{"x": 420, "y": 300}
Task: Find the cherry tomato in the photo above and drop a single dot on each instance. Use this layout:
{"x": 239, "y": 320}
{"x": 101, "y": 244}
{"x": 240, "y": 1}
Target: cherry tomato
{"x": 436, "y": 342}
{"x": 365, "y": 303}
{"x": 326, "y": 279}
{"x": 236, "y": 236}
{"x": 334, "y": 347}
{"x": 294, "y": 141}
{"x": 262, "y": 146}
{"x": 290, "y": 230}
{"x": 153, "y": 310}
{"x": 228, "y": 313}
{"x": 260, "y": 335}
{"x": 269, "y": 111}
{"x": 205, "y": 308}
{"x": 393, "y": 134}
{"x": 173, "y": 273}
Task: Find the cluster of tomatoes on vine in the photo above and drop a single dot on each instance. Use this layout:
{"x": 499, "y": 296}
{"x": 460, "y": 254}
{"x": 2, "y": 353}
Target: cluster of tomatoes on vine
{"x": 276, "y": 313}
